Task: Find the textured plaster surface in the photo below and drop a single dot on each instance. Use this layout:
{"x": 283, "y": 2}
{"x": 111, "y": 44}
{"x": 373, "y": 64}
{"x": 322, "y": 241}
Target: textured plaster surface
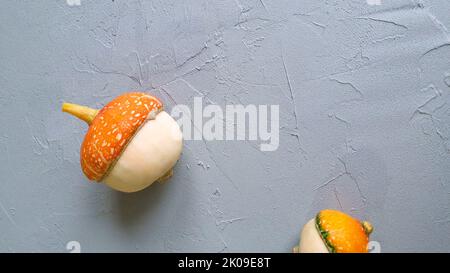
{"x": 364, "y": 95}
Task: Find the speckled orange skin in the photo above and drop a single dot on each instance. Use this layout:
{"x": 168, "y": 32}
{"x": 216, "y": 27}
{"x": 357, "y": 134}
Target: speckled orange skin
{"x": 342, "y": 233}
{"x": 111, "y": 130}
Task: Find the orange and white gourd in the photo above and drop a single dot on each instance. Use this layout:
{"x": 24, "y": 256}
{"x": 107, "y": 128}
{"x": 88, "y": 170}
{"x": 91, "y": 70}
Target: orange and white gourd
{"x": 332, "y": 231}
{"x": 130, "y": 143}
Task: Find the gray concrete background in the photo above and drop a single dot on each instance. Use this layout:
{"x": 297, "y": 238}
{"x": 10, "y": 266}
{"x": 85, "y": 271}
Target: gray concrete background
{"x": 365, "y": 130}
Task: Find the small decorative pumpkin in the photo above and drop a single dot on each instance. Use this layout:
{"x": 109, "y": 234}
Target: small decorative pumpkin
{"x": 332, "y": 231}
{"x": 130, "y": 143}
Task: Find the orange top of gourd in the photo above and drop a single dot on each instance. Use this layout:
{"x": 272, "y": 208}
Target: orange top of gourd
{"x": 111, "y": 129}
{"x": 342, "y": 233}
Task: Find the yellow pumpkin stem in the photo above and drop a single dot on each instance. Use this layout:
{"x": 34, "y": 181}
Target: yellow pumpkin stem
{"x": 82, "y": 112}
{"x": 368, "y": 228}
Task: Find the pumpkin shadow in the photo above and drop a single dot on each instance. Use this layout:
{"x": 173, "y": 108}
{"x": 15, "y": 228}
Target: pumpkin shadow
{"x": 133, "y": 208}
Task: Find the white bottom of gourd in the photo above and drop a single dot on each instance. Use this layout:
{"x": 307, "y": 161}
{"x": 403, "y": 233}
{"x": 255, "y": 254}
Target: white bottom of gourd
{"x": 151, "y": 153}
{"x": 311, "y": 241}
